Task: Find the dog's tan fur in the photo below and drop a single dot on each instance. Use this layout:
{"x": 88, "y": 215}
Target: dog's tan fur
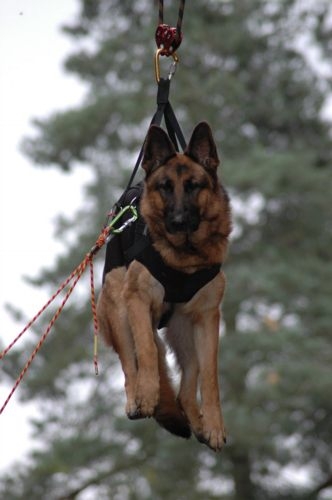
{"x": 132, "y": 300}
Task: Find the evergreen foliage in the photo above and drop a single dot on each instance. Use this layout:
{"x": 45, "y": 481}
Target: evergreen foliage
{"x": 245, "y": 68}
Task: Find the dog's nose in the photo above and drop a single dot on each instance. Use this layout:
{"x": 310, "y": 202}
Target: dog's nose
{"x": 178, "y": 219}
{"x": 177, "y": 223}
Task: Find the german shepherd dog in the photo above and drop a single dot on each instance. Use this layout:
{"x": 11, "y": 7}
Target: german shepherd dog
{"x": 187, "y": 213}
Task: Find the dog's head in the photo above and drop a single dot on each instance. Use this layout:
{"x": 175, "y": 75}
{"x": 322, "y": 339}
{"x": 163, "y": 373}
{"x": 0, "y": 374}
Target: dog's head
{"x": 179, "y": 186}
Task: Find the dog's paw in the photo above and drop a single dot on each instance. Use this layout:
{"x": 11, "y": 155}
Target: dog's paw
{"x": 147, "y": 398}
{"x": 213, "y": 435}
{"x": 213, "y": 438}
{"x": 132, "y": 411}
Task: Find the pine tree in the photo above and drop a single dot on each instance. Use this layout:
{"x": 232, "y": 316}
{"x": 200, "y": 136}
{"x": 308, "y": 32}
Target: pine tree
{"x": 244, "y": 68}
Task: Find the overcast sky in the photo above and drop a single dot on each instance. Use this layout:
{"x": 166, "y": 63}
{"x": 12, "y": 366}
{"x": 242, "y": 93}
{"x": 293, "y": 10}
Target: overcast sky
{"x": 32, "y": 84}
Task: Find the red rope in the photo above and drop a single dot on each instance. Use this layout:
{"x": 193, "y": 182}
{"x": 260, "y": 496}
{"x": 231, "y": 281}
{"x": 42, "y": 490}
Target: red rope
{"x": 64, "y": 284}
{"x": 95, "y": 318}
{"x": 77, "y": 273}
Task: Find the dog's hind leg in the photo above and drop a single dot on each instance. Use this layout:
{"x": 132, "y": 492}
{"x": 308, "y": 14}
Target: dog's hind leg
{"x": 180, "y": 338}
{"x": 168, "y": 412}
{"x": 206, "y": 341}
{"x": 112, "y": 317}
{"x": 205, "y": 315}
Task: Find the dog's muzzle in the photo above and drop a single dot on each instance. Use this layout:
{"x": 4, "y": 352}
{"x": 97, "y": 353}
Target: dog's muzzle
{"x": 182, "y": 222}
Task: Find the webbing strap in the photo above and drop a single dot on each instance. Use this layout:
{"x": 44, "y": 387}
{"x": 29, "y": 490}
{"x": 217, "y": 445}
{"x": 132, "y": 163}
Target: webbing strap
{"x": 164, "y": 110}
{"x": 173, "y": 127}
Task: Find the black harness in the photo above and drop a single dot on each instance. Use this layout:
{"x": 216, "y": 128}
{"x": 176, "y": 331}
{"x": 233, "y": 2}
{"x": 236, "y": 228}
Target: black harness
{"x": 134, "y": 243}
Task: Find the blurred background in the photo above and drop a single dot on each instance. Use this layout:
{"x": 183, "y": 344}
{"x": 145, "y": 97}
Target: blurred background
{"x": 260, "y": 72}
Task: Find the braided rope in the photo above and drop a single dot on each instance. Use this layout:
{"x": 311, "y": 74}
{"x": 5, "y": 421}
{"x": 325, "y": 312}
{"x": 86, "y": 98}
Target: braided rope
{"x": 161, "y": 12}
{"x": 78, "y": 272}
{"x": 95, "y": 318}
{"x": 48, "y": 303}
{"x": 180, "y": 15}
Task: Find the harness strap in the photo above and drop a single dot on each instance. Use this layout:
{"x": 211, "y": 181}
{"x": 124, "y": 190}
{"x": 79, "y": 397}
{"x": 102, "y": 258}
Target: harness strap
{"x": 164, "y": 110}
{"x": 173, "y": 128}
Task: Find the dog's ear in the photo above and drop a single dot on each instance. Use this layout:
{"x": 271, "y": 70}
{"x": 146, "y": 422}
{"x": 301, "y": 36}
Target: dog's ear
{"x": 202, "y": 147}
{"x": 158, "y": 148}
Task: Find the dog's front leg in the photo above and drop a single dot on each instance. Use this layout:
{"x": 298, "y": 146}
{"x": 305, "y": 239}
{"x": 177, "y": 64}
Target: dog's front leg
{"x": 113, "y": 322}
{"x": 144, "y": 297}
{"x": 206, "y": 339}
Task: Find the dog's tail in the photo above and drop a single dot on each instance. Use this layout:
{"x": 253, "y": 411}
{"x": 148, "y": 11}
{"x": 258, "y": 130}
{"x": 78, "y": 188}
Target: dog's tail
{"x": 168, "y": 413}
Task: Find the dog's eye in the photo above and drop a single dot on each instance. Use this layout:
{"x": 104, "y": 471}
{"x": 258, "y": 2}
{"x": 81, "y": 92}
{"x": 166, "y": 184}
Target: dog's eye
{"x": 165, "y": 186}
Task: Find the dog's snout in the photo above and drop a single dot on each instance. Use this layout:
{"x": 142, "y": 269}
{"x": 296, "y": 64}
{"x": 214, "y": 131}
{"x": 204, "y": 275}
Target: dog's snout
{"x": 179, "y": 219}
{"x": 182, "y": 221}
{"x": 176, "y": 222}
{"x": 178, "y": 227}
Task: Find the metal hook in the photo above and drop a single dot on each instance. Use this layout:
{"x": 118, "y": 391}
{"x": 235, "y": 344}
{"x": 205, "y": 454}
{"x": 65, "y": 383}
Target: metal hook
{"x": 176, "y": 60}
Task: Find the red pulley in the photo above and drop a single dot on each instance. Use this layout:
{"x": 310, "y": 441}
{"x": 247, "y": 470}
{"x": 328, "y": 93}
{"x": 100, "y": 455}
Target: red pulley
{"x": 168, "y": 39}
